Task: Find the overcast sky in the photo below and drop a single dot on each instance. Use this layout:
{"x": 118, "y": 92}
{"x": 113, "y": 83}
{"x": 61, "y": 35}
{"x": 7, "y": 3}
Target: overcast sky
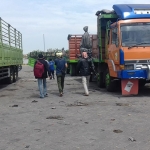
{"x": 53, "y": 18}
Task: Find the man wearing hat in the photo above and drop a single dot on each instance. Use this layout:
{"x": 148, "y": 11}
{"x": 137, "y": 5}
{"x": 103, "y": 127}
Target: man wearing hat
{"x": 42, "y": 80}
{"x": 61, "y": 66}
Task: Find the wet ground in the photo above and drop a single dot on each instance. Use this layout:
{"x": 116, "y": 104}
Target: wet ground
{"x": 101, "y": 121}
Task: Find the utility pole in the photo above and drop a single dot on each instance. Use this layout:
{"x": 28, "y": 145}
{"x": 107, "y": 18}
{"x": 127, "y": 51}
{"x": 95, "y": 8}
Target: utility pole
{"x": 44, "y": 42}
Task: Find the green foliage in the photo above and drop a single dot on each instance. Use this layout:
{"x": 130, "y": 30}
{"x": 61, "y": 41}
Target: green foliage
{"x": 50, "y": 53}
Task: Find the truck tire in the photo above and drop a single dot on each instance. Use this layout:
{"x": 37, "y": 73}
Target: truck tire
{"x": 15, "y": 74}
{"x": 100, "y": 80}
{"x": 142, "y": 83}
{"x": 110, "y": 84}
{"x": 72, "y": 69}
{"x": 91, "y": 77}
{"x": 9, "y": 80}
{"x": 68, "y": 69}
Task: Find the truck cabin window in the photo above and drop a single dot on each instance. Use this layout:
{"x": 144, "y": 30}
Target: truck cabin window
{"x": 114, "y": 37}
{"x": 135, "y": 33}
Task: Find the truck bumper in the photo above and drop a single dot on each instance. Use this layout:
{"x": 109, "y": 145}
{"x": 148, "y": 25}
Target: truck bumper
{"x": 132, "y": 74}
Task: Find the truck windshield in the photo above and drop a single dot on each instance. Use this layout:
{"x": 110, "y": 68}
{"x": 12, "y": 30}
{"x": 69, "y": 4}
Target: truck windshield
{"x": 134, "y": 33}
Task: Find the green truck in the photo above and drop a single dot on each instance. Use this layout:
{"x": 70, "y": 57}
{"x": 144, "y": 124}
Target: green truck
{"x": 34, "y": 55}
{"x": 11, "y": 53}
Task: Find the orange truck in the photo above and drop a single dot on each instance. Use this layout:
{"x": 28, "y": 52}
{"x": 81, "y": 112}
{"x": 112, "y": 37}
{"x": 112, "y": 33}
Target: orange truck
{"x": 123, "y": 47}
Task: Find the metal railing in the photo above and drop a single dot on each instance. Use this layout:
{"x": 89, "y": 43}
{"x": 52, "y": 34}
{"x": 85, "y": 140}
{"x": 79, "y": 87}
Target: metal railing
{"x": 9, "y": 35}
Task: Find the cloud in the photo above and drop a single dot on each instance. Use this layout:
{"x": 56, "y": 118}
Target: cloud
{"x": 53, "y": 18}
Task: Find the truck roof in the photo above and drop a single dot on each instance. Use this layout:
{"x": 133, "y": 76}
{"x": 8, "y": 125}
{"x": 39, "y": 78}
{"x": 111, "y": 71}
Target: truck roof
{"x": 132, "y": 11}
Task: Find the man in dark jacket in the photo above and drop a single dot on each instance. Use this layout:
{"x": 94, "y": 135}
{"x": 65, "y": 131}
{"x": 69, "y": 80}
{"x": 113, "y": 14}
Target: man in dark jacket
{"x": 42, "y": 80}
{"x": 61, "y": 66}
{"x": 84, "y": 67}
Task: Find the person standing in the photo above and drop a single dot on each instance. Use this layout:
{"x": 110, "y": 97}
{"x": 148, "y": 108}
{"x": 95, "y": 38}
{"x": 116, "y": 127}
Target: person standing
{"x": 51, "y": 68}
{"x": 84, "y": 67}
{"x": 86, "y": 46}
{"x": 41, "y": 78}
{"x": 61, "y": 66}
{"x": 86, "y": 39}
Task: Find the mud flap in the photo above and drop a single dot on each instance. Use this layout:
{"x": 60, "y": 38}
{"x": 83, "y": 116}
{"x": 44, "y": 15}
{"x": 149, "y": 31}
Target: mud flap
{"x": 129, "y": 86}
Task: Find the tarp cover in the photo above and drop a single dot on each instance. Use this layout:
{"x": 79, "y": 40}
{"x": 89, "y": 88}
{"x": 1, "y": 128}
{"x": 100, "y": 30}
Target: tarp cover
{"x": 105, "y": 11}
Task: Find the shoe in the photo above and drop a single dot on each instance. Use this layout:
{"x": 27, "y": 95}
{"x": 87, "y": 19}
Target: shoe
{"x": 46, "y": 95}
{"x": 41, "y": 97}
{"x": 61, "y": 95}
{"x": 85, "y": 94}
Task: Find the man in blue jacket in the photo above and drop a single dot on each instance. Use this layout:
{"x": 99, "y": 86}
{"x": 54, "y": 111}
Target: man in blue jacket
{"x": 61, "y": 66}
{"x": 52, "y": 68}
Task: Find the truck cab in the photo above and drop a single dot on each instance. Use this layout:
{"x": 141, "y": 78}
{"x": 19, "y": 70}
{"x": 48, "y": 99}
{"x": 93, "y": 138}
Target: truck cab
{"x": 126, "y": 46}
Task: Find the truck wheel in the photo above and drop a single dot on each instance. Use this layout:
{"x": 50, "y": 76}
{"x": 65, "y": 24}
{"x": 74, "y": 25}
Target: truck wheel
{"x": 109, "y": 83}
{"x": 142, "y": 83}
{"x": 10, "y": 79}
{"x": 72, "y": 70}
{"x": 15, "y": 74}
{"x": 100, "y": 81}
{"x": 91, "y": 77}
{"x": 68, "y": 69}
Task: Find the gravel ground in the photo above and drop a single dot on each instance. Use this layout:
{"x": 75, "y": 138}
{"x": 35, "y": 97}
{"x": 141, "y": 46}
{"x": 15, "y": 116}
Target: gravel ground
{"x": 101, "y": 121}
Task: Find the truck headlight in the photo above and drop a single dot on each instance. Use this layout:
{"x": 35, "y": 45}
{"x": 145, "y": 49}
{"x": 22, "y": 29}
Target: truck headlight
{"x": 129, "y": 67}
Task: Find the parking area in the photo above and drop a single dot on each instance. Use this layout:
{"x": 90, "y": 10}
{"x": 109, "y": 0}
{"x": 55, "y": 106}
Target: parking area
{"x": 101, "y": 121}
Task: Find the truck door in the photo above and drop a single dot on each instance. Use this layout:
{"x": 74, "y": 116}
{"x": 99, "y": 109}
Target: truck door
{"x": 113, "y": 52}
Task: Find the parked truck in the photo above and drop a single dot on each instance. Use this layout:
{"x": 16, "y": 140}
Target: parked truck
{"x": 123, "y": 44}
{"x": 11, "y": 53}
{"x": 34, "y": 55}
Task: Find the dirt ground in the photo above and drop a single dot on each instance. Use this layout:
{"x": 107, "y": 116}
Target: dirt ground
{"x": 102, "y": 121}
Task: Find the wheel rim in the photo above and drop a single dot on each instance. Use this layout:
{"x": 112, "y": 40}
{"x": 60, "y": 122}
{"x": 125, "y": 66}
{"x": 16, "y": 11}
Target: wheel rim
{"x": 107, "y": 80}
{"x": 11, "y": 77}
{"x": 70, "y": 69}
{"x": 15, "y": 75}
{"x": 98, "y": 77}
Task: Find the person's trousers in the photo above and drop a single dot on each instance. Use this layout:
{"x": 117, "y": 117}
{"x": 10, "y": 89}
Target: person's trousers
{"x": 60, "y": 82}
{"x": 85, "y": 81}
{"x": 42, "y": 87}
{"x": 52, "y": 74}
